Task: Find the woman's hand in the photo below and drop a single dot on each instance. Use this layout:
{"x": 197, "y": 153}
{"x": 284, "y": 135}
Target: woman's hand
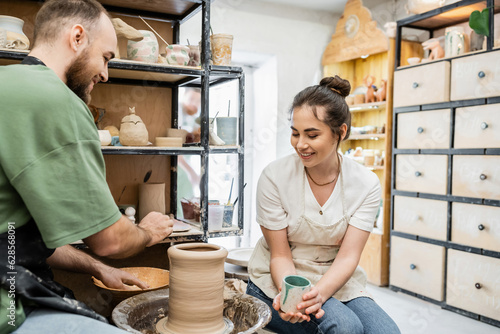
{"x": 290, "y": 316}
{"x": 312, "y": 302}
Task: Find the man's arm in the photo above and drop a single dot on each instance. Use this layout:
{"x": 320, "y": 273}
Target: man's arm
{"x": 71, "y": 259}
{"x": 124, "y": 238}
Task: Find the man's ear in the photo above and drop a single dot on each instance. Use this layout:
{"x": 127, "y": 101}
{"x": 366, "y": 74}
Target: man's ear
{"x": 77, "y": 37}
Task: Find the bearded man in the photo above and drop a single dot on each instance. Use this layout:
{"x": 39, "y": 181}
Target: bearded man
{"x": 53, "y": 188}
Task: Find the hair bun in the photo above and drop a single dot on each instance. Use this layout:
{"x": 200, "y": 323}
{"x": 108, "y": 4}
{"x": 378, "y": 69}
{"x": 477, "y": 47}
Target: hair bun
{"x": 339, "y": 85}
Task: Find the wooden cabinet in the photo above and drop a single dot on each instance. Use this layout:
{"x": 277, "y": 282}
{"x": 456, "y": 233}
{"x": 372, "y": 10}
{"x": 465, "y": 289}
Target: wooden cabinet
{"x": 477, "y": 127}
{"x": 445, "y": 230}
{"x": 154, "y": 91}
{"x": 473, "y": 283}
{"x": 421, "y": 173}
{"x": 424, "y": 129}
{"x": 420, "y": 216}
{"x": 475, "y": 76}
{"x": 419, "y": 85}
{"x": 418, "y": 267}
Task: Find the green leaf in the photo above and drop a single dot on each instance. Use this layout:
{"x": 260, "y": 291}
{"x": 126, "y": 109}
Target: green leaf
{"x": 480, "y": 22}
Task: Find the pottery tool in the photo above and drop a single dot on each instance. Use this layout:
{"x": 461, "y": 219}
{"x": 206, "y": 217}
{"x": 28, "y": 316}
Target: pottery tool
{"x": 230, "y": 192}
{"x": 236, "y": 200}
{"x": 214, "y": 118}
{"x": 228, "y": 108}
{"x": 157, "y": 34}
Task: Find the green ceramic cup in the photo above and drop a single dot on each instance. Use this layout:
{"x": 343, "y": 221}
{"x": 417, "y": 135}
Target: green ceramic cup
{"x": 293, "y": 288}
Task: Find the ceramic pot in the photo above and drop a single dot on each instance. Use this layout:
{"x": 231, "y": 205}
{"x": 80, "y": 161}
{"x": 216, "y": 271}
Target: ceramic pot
{"x": 177, "y": 54}
{"x": 15, "y": 37}
{"x": 222, "y": 45}
{"x": 196, "y": 289}
{"x": 422, "y": 6}
{"x": 133, "y": 132}
{"x": 194, "y": 55}
{"x": 145, "y": 50}
{"x": 104, "y": 137}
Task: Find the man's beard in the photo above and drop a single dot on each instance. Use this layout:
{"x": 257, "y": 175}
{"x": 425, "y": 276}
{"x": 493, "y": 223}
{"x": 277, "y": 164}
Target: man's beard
{"x": 78, "y": 79}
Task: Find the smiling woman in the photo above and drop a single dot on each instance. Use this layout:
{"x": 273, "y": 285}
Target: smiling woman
{"x": 315, "y": 207}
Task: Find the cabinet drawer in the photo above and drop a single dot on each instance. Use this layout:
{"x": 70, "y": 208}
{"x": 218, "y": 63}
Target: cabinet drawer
{"x": 476, "y": 226}
{"x": 475, "y": 76}
{"x": 422, "y": 85}
{"x": 419, "y": 216}
{"x": 424, "y": 129}
{"x": 473, "y": 283}
{"x": 417, "y": 267}
{"x": 422, "y": 173}
{"x": 477, "y": 127}
{"x": 476, "y": 176}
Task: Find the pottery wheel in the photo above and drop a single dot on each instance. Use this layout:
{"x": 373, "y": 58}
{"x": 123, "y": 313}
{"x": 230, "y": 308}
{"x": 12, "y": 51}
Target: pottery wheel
{"x": 161, "y": 326}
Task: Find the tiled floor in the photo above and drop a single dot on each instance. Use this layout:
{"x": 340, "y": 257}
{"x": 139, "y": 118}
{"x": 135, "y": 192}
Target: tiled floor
{"x": 416, "y": 316}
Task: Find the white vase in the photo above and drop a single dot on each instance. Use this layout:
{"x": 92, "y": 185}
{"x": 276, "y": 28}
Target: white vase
{"x": 454, "y": 42}
{"x": 16, "y": 39}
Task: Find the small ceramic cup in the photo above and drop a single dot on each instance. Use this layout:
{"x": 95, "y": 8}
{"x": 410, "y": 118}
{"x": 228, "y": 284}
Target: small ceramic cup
{"x": 293, "y": 288}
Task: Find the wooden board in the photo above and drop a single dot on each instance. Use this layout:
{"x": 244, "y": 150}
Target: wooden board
{"x": 356, "y": 35}
{"x": 371, "y": 260}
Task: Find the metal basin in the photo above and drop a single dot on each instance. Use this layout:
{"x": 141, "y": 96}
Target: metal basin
{"x": 140, "y": 313}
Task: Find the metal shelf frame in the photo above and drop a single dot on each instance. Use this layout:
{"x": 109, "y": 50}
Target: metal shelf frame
{"x": 174, "y": 77}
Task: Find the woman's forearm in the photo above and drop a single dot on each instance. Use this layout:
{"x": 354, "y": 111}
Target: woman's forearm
{"x": 281, "y": 267}
{"x": 336, "y": 277}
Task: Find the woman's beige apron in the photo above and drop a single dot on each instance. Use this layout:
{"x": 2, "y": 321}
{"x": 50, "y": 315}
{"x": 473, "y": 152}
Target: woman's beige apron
{"x": 314, "y": 247}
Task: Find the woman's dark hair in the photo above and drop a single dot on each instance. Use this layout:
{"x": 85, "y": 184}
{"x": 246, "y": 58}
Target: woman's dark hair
{"x": 329, "y": 94}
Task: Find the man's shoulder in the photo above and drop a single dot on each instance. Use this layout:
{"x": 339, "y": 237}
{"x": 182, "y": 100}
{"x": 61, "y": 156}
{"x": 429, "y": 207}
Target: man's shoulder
{"x": 36, "y": 78}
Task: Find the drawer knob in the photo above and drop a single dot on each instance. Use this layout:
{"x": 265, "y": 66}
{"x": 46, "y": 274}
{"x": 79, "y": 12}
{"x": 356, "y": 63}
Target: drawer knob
{"x": 481, "y": 74}
{"x": 420, "y": 129}
{"x": 415, "y": 85}
{"x": 483, "y": 177}
{"x": 416, "y": 218}
{"x": 480, "y": 227}
{"x": 412, "y": 266}
{"x": 478, "y": 285}
{"x": 417, "y": 173}
{"x": 484, "y": 125}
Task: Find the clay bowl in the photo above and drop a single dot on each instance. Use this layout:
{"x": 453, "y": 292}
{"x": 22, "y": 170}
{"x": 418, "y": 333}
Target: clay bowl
{"x": 156, "y": 279}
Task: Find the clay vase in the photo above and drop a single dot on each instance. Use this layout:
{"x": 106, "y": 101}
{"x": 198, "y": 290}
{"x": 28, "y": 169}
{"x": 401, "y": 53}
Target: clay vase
{"x": 177, "y": 54}
{"x": 222, "y": 46}
{"x": 133, "y": 132}
{"x": 151, "y": 198}
{"x": 145, "y": 50}
{"x": 196, "y": 301}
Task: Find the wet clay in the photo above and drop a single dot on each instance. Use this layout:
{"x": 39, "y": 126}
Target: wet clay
{"x": 196, "y": 289}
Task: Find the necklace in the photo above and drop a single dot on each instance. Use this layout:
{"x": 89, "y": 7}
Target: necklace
{"x": 320, "y": 184}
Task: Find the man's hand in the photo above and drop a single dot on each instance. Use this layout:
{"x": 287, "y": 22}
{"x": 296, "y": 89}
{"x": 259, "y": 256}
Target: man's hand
{"x": 118, "y": 279}
{"x": 158, "y": 226}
